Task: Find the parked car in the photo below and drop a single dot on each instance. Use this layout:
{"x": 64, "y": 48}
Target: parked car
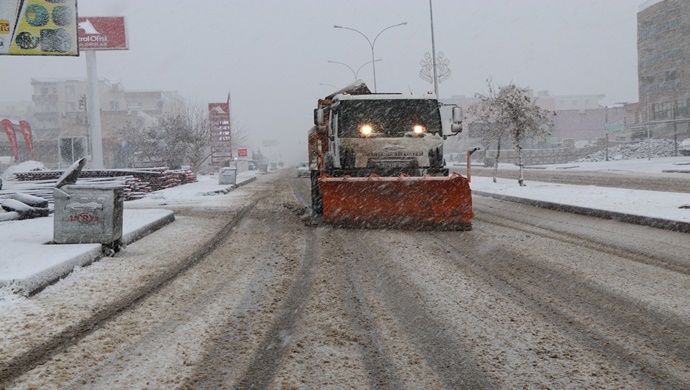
{"x": 303, "y": 169}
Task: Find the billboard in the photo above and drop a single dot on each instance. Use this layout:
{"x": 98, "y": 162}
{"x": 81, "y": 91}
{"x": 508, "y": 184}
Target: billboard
{"x": 221, "y": 139}
{"x": 102, "y": 33}
{"x": 38, "y": 27}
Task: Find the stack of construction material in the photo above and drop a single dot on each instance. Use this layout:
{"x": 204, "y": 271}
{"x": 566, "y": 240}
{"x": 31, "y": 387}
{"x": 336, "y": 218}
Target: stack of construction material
{"x": 23, "y": 206}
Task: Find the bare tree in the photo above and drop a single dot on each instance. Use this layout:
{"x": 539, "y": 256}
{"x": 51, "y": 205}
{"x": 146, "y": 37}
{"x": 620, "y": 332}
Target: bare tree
{"x": 198, "y": 150}
{"x": 139, "y": 144}
{"x": 511, "y": 111}
{"x": 173, "y": 136}
{"x": 182, "y": 135}
{"x": 240, "y": 135}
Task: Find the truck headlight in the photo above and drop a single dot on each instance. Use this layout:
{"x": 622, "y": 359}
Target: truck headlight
{"x": 418, "y": 129}
{"x": 366, "y": 130}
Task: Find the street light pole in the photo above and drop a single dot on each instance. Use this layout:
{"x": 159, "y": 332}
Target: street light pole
{"x": 649, "y": 135}
{"x": 433, "y": 51}
{"x": 606, "y": 131}
{"x": 371, "y": 44}
{"x": 356, "y": 74}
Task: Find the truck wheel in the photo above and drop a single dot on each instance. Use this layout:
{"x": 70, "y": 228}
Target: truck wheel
{"x": 316, "y": 198}
{"x": 328, "y": 165}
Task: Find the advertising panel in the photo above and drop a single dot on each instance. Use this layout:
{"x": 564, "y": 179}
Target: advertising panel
{"x": 38, "y": 27}
{"x": 102, "y": 33}
{"x": 221, "y": 139}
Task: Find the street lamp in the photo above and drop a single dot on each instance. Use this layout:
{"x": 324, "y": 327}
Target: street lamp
{"x": 352, "y": 70}
{"x": 371, "y": 44}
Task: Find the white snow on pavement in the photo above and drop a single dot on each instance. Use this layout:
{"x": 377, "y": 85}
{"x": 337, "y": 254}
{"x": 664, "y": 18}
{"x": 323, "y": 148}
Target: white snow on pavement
{"x": 24, "y": 254}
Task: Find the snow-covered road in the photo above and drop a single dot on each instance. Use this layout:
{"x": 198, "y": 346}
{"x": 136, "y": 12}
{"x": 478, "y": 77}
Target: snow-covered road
{"x": 241, "y": 293}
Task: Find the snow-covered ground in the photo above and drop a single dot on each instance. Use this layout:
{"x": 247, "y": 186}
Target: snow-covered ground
{"x": 664, "y": 205}
{"x": 639, "y": 165}
{"x": 28, "y": 261}
{"x": 24, "y": 254}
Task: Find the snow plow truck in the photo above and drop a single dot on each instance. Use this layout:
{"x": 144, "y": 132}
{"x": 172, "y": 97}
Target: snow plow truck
{"x": 376, "y": 161}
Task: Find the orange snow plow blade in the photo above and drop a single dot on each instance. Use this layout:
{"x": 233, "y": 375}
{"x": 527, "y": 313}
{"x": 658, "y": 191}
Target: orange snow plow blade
{"x": 420, "y": 203}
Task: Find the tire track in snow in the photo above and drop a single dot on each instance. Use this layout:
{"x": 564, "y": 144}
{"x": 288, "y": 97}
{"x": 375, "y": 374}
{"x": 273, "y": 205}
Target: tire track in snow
{"x": 213, "y": 371}
{"x": 376, "y": 356}
{"x": 70, "y": 336}
{"x": 267, "y": 359}
{"x": 451, "y": 361}
{"x": 614, "y": 326}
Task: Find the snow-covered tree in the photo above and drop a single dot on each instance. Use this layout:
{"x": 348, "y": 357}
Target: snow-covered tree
{"x": 512, "y": 112}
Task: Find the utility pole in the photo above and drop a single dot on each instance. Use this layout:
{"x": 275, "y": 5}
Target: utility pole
{"x": 94, "y": 113}
{"x": 84, "y": 106}
{"x": 675, "y": 129}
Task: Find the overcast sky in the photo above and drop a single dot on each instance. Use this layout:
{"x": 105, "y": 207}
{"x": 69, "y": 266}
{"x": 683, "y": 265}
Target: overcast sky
{"x": 272, "y": 56}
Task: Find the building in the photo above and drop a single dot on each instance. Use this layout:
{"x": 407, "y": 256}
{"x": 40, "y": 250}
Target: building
{"x": 21, "y": 110}
{"x": 60, "y": 116}
{"x": 664, "y": 66}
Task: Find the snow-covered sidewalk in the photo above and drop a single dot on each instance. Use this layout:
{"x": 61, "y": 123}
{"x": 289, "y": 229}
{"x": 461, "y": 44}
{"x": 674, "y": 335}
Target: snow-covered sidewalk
{"x": 670, "y": 206}
{"x": 29, "y": 262}
{"x": 665, "y": 210}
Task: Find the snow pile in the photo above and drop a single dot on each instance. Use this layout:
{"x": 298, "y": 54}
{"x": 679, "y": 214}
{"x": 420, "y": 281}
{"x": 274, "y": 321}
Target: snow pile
{"x": 658, "y": 147}
{"x": 26, "y": 166}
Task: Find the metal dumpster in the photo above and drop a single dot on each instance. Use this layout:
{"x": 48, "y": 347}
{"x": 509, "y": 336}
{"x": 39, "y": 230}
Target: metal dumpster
{"x": 227, "y": 176}
{"x": 88, "y": 214}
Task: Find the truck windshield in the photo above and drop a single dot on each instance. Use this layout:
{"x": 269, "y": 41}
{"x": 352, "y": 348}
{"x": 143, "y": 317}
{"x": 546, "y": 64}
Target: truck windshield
{"x": 388, "y": 117}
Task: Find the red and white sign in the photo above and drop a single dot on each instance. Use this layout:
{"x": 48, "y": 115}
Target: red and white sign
{"x": 102, "y": 33}
{"x": 221, "y": 136}
{"x": 242, "y": 153}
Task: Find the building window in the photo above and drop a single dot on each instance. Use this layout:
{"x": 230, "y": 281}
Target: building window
{"x": 114, "y": 105}
{"x": 71, "y": 106}
{"x": 44, "y": 91}
{"x": 69, "y": 90}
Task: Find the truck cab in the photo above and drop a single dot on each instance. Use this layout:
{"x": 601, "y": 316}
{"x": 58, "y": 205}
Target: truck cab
{"x": 385, "y": 134}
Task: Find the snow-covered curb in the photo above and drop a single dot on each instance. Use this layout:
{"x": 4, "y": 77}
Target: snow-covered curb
{"x": 230, "y": 188}
{"x": 658, "y": 223}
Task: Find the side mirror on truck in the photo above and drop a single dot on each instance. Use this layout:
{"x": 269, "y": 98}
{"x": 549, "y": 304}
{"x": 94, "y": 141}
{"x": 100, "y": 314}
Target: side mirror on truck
{"x": 319, "y": 118}
{"x": 456, "y": 124}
